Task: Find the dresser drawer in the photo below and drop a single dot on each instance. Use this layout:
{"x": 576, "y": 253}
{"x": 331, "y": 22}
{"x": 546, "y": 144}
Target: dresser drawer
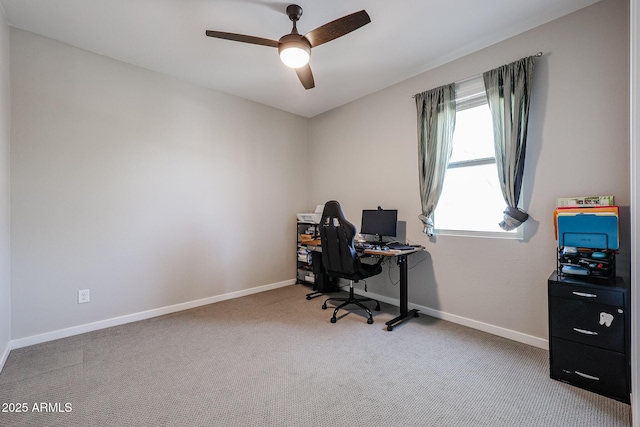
{"x": 590, "y": 294}
{"x": 589, "y": 323}
{"x": 594, "y": 369}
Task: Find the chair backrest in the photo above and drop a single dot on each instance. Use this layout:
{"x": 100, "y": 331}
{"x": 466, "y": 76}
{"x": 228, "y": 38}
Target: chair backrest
{"x": 336, "y": 234}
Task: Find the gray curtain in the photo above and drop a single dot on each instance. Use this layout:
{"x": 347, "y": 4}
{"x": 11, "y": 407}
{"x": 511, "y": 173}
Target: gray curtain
{"x": 436, "y": 121}
{"x": 508, "y": 91}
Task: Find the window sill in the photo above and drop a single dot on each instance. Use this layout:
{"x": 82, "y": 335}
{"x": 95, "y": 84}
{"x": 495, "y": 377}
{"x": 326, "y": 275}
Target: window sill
{"x": 483, "y": 234}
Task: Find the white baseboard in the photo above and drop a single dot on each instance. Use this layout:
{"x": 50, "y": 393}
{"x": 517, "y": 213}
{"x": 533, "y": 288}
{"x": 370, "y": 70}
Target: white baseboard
{"x": 485, "y": 327}
{"x": 107, "y": 323}
{"x": 115, "y": 321}
{"x": 4, "y": 355}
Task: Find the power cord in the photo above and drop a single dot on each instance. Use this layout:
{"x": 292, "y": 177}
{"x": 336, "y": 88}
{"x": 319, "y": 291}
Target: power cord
{"x": 395, "y": 265}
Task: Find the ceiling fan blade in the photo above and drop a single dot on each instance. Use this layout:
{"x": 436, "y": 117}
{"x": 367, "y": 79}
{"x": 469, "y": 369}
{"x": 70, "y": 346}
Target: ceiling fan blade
{"x": 242, "y": 38}
{"x": 337, "y": 28}
{"x": 306, "y": 77}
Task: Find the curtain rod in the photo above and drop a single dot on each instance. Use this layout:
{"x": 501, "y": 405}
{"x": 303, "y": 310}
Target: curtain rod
{"x": 537, "y": 55}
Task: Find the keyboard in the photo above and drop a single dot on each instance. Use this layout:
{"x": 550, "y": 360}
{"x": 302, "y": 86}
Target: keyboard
{"x": 399, "y": 247}
{"x": 359, "y": 245}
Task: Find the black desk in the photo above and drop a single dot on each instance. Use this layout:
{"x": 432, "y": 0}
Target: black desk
{"x": 405, "y": 313}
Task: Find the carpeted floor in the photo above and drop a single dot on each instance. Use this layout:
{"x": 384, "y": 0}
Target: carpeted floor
{"x": 274, "y": 359}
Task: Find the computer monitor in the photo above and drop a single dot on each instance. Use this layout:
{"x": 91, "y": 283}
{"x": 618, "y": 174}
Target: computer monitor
{"x": 379, "y": 222}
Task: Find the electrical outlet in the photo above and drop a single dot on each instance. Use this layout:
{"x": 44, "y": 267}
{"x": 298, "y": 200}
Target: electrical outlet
{"x": 83, "y": 296}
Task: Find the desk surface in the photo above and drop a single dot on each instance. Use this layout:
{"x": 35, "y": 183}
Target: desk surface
{"x": 316, "y": 247}
{"x": 393, "y": 252}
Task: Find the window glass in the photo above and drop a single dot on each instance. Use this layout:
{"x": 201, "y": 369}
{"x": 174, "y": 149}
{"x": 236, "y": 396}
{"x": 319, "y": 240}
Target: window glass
{"x": 471, "y": 200}
{"x": 473, "y": 137}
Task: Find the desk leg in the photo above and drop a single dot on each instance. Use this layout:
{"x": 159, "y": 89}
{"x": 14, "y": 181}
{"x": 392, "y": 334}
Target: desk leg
{"x": 405, "y": 313}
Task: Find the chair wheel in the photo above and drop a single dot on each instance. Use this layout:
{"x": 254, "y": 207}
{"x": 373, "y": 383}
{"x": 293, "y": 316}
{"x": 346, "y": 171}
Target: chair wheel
{"x": 369, "y": 320}
{"x": 416, "y": 315}
{"x": 324, "y": 306}
{"x": 308, "y": 297}
{"x": 389, "y": 328}
{"x": 377, "y": 307}
{"x": 333, "y": 320}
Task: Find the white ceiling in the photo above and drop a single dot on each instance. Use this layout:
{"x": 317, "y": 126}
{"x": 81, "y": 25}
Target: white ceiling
{"x": 404, "y": 38}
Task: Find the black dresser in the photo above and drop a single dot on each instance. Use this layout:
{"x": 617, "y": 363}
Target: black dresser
{"x": 589, "y": 334}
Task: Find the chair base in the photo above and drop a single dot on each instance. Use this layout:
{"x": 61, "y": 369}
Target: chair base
{"x": 314, "y": 294}
{"x": 351, "y": 299}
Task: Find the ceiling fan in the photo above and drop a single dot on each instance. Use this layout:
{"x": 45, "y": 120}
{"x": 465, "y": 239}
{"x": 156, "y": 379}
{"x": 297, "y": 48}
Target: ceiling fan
{"x": 295, "y": 49}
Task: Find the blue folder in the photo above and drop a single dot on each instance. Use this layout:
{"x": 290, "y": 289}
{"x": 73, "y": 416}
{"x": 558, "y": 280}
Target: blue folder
{"x": 585, "y": 230}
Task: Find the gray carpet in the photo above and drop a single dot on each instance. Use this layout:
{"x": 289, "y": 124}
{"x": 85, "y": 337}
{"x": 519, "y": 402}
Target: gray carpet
{"x": 274, "y": 359}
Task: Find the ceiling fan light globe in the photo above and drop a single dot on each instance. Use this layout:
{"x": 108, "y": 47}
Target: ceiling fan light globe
{"x": 294, "y": 50}
{"x": 294, "y": 57}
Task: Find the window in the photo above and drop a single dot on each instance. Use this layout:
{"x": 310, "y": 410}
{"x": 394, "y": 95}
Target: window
{"x": 471, "y": 203}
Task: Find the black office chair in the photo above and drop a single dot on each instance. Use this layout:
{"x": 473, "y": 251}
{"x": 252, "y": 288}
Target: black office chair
{"x": 340, "y": 258}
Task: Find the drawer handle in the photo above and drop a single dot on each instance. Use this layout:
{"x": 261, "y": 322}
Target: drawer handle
{"x": 589, "y": 377}
{"x": 584, "y": 294}
{"x": 584, "y": 331}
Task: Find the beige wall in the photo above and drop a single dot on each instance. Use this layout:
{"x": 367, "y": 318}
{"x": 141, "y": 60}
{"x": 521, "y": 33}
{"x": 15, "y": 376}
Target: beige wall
{"x": 365, "y": 155}
{"x": 151, "y": 191}
{"x": 147, "y": 190}
{"x": 5, "y": 133}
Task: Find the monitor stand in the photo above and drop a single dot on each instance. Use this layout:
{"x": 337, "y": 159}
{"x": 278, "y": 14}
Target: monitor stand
{"x": 377, "y": 240}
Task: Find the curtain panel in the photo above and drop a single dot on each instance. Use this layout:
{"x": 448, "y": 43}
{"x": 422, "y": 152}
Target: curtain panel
{"x": 508, "y": 93}
{"x": 436, "y": 111}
